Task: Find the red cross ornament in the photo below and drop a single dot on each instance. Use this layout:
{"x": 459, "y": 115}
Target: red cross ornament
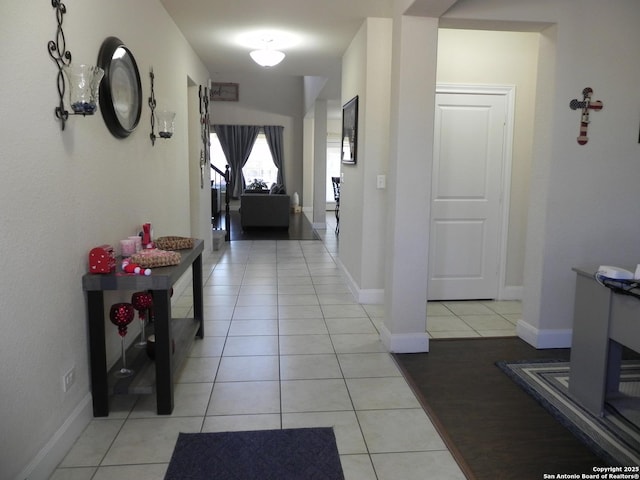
{"x": 586, "y": 104}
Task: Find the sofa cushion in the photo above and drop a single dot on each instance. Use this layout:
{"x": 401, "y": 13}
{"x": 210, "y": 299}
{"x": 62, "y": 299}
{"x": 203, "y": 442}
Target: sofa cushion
{"x": 277, "y": 189}
{"x": 264, "y": 210}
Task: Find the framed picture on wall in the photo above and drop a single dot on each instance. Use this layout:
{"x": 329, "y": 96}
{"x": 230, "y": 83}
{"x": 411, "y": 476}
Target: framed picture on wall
{"x": 350, "y": 132}
{"x": 224, "y": 92}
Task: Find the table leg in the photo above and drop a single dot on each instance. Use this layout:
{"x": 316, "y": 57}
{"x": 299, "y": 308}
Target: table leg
{"x": 196, "y": 271}
{"x": 98, "y": 354}
{"x": 589, "y": 349}
{"x": 163, "y": 351}
{"x": 614, "y": 366}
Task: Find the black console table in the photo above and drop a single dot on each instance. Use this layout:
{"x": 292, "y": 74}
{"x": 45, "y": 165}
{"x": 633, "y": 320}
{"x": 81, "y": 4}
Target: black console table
{"x": 173, "y": 336}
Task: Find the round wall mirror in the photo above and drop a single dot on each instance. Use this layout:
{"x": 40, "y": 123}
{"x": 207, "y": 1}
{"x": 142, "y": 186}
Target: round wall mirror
{"x": 121, "y": 90}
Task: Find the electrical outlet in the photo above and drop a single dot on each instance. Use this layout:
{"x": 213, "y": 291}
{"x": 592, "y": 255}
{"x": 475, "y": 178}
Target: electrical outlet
{"x": 68, "y": 379}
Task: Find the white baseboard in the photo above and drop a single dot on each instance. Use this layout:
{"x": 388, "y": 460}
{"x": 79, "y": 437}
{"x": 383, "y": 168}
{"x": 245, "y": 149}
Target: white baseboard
{"x": 544, "y": 338}
{"x": 404, "y": 342}
{"x": 369, "y": 296}
{"x": 47, "y": 459}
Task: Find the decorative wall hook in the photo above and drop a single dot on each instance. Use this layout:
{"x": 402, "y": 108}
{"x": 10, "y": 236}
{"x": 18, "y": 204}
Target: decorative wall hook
{"x": 586, "y": 104}
{"x": 59, "y": 53}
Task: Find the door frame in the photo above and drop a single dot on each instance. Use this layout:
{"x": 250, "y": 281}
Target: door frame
{"x": 509, "y": 92}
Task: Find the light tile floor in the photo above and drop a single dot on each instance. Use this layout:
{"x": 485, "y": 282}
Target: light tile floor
{"x": 286, "y": 346}
{"x": 457, "y": 319}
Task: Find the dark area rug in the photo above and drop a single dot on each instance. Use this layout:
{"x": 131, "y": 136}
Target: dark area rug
{"x": 290, "y": 454}
{"x": 613, "y": 437}
{"x": 299, "y": 229}
{"x": 494, "y": 429}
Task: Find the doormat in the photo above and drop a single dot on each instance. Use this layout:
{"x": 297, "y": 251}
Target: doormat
{"x": 290, "y": 454}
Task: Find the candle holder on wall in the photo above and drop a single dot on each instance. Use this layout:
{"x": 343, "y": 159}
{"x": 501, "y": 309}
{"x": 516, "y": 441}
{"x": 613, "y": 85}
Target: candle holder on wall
{"x": 152, "y": 106}
{"x": 166, "y": 124}
{"x": 84, "y": 80}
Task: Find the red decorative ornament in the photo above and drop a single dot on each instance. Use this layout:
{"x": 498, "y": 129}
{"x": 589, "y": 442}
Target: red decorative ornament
{"x": 121, "y": 315}
{"x": 102, "y": 259}
{"x": 142, "y": 301}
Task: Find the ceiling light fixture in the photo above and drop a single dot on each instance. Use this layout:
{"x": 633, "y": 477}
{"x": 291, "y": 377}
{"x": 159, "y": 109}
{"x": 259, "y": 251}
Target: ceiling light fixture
{"x": 266, "y": 57}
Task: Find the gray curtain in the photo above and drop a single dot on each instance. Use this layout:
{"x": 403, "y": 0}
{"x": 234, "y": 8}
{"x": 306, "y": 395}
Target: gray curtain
{"x": 273, "y": 134}
{"x": 236, "y": 142}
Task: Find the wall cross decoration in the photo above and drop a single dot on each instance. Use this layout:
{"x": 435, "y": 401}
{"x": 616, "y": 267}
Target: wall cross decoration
{"x": 586, "y": 104}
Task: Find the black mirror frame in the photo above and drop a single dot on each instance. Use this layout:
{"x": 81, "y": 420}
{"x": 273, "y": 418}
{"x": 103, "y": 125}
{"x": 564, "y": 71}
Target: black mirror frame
{"x": 107, "y": 106}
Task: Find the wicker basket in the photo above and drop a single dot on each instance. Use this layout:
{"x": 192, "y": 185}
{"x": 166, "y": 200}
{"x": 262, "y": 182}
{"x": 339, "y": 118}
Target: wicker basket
{"x": 156, "y": 257}
{"x": 174, "y": 243}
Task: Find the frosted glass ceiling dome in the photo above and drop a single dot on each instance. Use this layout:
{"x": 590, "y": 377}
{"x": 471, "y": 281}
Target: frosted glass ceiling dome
{"x": 267, "y": 57}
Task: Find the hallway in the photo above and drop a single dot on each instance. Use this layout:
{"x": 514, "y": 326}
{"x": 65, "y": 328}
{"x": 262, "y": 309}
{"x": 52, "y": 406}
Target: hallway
{"x": 285, "y": 346}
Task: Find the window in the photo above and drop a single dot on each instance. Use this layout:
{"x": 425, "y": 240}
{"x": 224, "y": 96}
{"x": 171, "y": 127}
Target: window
{"x": 259, "y": 166}
{"x": 217, "y": 155}
{"x": 333, "y": 161}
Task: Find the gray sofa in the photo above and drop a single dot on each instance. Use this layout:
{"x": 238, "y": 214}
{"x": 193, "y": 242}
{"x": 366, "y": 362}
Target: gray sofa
{"x": 264, "y": 210}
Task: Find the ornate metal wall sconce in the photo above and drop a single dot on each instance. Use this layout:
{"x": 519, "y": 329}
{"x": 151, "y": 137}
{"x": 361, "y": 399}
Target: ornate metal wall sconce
{"x": 84, "y": 80}
{"x": 165, "y": 118}
{"x": 152, "y": 106}
{"x": 205, "y": 130}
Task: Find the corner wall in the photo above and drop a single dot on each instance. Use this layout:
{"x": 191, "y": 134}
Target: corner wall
{"x": 366, "y": 73}
{"x": 583, "y": 197}
{"x": 411, "y": 161}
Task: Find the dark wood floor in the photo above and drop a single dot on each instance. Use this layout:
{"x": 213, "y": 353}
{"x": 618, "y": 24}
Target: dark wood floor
{"x": 299, "y": 229}
{"x": 495, "y": 429}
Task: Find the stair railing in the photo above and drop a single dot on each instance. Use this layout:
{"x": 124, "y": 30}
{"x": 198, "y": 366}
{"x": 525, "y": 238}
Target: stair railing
{"x": 227, "y": 217}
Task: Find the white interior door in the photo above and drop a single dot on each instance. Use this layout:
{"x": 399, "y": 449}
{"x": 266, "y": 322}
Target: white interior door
{"x": 466, "y": 203}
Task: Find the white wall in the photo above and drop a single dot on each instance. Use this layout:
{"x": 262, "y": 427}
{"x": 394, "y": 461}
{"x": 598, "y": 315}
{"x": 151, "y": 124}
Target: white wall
{"x": 199, "y": 181}
{"x": 366, "y": 73}
{"x": 410, "y": 163}
{"x": 312, "y": 185}
{"x": 319, "y": 215}
{"x": 583, "y": 198}
{"x": 312, "y": 90}
{"x": 266, "y": 98}
{"x": 306, "y": 199}
{"x": 479, "y": 57}
{"x": 62, "y": 193}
